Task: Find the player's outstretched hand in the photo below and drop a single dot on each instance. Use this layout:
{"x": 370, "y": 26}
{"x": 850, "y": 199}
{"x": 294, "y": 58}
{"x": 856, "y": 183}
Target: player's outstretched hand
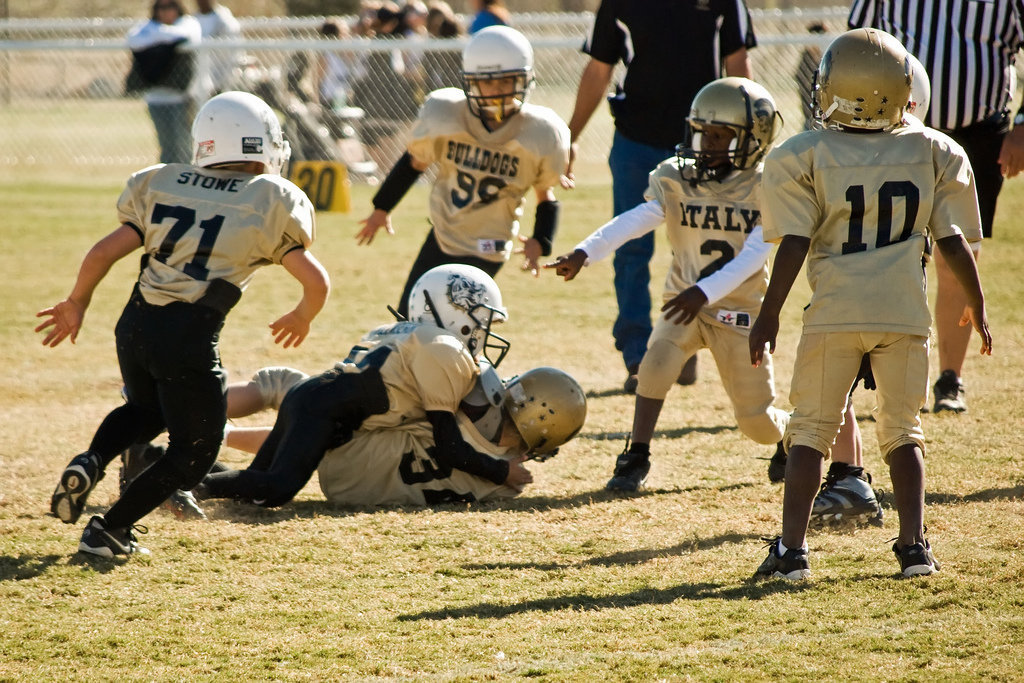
{"x": 374, "y": 222}
{"x": 977, "y": 318}
{"x": 518, "y": 476}
{"x": 764, "y": 331}
{"x": 685, "y": 306}
{"x": 290, "y": 329}
{"x": 568, "y": 265}
{"x": 531, "y": 251}
{"x": 66, "y": 320}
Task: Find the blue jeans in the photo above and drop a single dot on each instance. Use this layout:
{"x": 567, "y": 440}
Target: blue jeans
{"x": 173, "y": 131}
{"x": 630, "y": 163}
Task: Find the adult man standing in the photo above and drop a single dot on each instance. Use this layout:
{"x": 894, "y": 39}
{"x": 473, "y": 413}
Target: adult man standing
{"x": 671, "y": 49}
{"x": 968, "y": 49}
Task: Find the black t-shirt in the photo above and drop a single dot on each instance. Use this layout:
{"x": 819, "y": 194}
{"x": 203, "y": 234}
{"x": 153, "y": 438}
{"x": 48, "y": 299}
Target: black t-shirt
{"x": 671, "y": 49}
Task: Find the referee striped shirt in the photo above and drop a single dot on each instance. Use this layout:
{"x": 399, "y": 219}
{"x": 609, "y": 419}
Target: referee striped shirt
{"x": 967, "y": 46}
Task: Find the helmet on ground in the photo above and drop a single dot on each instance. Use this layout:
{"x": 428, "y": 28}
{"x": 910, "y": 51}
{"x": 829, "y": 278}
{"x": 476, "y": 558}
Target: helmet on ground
{"x": 237, "y": 127}
{"x": 920, "y": 90}
{"x": 497, "y": 52}
{"x": 744, "y": 107}
{"x": 863, "y": 81}
{"x": 465, "y": 301}
{"x": 548, "y": 408}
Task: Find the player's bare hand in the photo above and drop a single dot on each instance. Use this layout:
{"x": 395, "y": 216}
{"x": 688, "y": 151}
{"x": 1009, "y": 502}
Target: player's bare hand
{"x": 64, "y": 318}
{"x": 290, "y": 329}
{"x": 1011, "y": 154}
{"x": 568, "y": 265}
{"x": 518, "y": 476}
{"x": 685, "y": 306}
{"x": 531, "y": 251}
{"x": 568, "y": 180}
{"x": 764, "y": 332}
{"x": 374, "y": 222}
{"x": 977, "y": 318}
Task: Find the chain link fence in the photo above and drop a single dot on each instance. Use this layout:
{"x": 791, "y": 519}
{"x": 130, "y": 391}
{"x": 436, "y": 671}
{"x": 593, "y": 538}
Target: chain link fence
{"x": 62, "y": 99}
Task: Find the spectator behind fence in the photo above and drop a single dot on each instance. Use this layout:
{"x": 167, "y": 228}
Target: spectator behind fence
{"x": 489, "y": 13}
{"x": 444, "y": 67}
{"x": 217, "y": 68}
{"x": 336, "y": 70}
{"x": 165, "y": 75}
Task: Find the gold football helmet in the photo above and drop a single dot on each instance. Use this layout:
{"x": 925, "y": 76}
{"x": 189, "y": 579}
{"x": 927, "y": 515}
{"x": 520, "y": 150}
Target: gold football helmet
{"x": 863, "y": 81}
{"x": 548, "y": 408}
{"x": 743, "y": 106}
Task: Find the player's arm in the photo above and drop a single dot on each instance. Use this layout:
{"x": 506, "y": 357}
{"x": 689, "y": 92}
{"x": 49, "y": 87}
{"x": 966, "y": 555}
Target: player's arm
{"x": 738, "y": 64}
{"x": 594, "y": 82}
{"x": 453, "y": 451}
{"x": 65, "y": 318}
{"x": 792, "y": 252}
{"x": 961, "y": 261}
{"x": 403, "y": 174}
{"x": 687, "y": 304}
{"x": 545, "y": 225}
{"x": 636, "y": 222}
{"x": 293, "y": 327}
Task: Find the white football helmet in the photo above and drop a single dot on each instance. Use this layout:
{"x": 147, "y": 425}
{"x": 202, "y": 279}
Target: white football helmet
{"x": 497, "y": 52}
{"x": 236, "y": 127}
{"x": 741, "y": 105}
{"x": 863, "y": 81}
{"x": 465, "y": 301}
{"x": 920, "y": 90}
{"x": 548, "y": 408}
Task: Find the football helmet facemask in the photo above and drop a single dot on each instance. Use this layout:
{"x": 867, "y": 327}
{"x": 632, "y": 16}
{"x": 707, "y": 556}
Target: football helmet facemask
{"x": 863, "y": 81}
{"x": 497, "y": 53}
{"x": 465, "y": 301}
{"x": 744, "y": 107}
{"x": 237, "y": 127}
{"x": 547, "y": 407}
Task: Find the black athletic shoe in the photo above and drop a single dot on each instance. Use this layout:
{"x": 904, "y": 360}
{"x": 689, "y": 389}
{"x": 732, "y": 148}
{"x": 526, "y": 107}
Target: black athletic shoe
{"x": 630, "y": 472}
{"x": 76, "y": 483}
{"x": 949, "y": 393}
{"x": 916, "y": 559}
{"x": 846, "y": 496}
{"x": 792, "y": 566}
{"x": 688, "y": 375}
{"x": 629, "y": 386}
{"x": 99, "y": 539}
{"x": 777, "y": 465}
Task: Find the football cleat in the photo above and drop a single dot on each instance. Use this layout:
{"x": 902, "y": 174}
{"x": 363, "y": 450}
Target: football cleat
{"x": 76, "y": 483}
{"x": 792, "y": 565}
{"x": 777, "y": 465}
{"x": 846, "y": 496}
{"x": 916, "y": 559}
{"x": 99, "y": 539}
{"x": 184, "y": 506}
{"x": 630, "y": 471}
{"x": 949, "y": 393}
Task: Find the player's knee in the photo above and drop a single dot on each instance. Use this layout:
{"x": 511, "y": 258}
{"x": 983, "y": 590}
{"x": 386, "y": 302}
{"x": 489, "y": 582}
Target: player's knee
{"x": 659, "y": 369}
{"x": 274, "y": 383}
{"x": 764, "y": 428}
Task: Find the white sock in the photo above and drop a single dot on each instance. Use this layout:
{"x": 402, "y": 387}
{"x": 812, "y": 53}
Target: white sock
{"x": 783, "y": 549}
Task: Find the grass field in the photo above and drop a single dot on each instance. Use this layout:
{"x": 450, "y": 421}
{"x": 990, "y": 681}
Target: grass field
{"x": 565, "y": 583}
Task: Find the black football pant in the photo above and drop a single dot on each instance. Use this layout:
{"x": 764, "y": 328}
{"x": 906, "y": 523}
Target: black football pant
{"x": 173, "y": 379}
{"x": 431, "y": 256}
{"x": 319, "y": 413}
